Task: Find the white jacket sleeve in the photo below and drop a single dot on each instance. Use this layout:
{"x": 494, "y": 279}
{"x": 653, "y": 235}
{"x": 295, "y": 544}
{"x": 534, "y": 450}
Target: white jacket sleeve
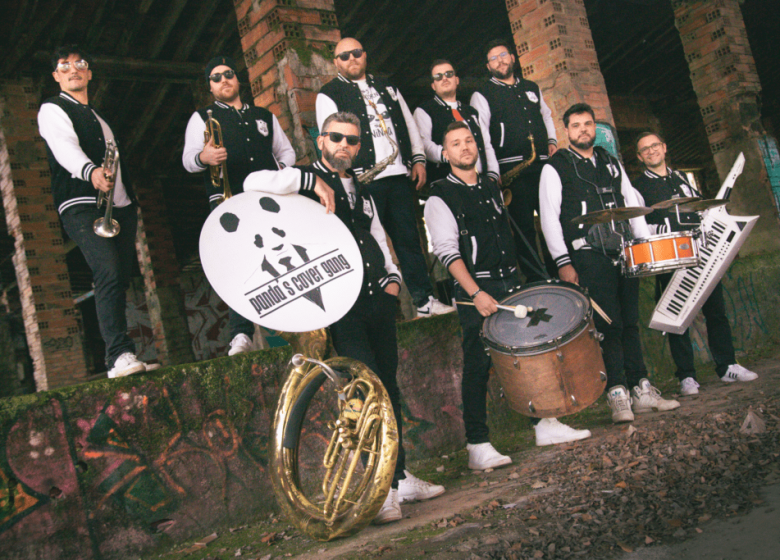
{"x": 433, "y": 150}
{"x": 443, "y": 229}
{"x": 633, "y": 198}
{"x": 289, "y": 180}
{"x": 550, "y": 198}
{"x": 378, "y": 233}
{"x": 282, "y": 149}
{"x": 193, "y": 144}
{"x": 418, "y": 150}
{"x": 552, "y": 137}
{"x": 57, "y": 129}
{"x": 325, "y": 107}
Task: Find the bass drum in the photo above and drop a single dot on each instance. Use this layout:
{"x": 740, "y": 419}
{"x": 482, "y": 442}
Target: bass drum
{"x": 549, "y": 362}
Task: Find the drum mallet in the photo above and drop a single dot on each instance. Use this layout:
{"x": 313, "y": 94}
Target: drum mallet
{"x": 600, "y": 311}
{"x": 520, "y": 311}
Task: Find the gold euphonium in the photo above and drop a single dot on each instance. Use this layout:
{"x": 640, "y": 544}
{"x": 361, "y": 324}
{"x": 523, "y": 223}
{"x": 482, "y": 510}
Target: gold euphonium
{"x": 107, "y": 226}
{"x": 219, "y": 176}
{"x": 360, "y": 458}
{"x": 511, "y": 175}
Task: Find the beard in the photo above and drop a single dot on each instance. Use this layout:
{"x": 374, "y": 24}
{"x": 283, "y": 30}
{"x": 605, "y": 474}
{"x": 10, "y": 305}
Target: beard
{"x": 498, "y": 74}
{"x": 464, "y": 164}
{"x": 584, "y": 145}
{"x": 337, "y": 163}
{"x": 355, "y": 72}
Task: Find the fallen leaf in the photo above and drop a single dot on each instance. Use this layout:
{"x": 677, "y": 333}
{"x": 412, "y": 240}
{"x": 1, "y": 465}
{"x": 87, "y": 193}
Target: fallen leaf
{"x": 625, "y": 547}
{"x": 649, "y": 540}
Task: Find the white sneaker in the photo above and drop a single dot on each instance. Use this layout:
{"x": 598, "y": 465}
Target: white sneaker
{"x": 241, "y": 343}
{"x": 484, "y": 456}
{"x": 620, "y": 403}
{"x": 434, "y": 307}
{"x": 646, "y": 398}
{"x": 550, "y": 432}
{"x": 126, "y": 364}
{"x": 738, "y": 373}
{"x": 412, "y": 488}
{"x": 689, "y": 386}
{"x": 391, "y": 509}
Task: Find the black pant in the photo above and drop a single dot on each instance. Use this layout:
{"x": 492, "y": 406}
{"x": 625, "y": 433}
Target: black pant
{"x": 718, "y": 334}
{"x": 476, "y": 363}
{"x": 395, "y": 206}
{"x": 525, "y": 201}
{"x": 111, "y": 260}
{"x": 367, "y": 333}
{"x": 618, "y": 296}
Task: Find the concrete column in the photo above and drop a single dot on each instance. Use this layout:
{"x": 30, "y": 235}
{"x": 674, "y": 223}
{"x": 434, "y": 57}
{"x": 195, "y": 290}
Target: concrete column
{"x": 555, "y": 49}
{"x": 50, "y": 316}
{"x": 288, "y": 49}
{"x": 160, "y": 270}
{"x": 726, "y": 83}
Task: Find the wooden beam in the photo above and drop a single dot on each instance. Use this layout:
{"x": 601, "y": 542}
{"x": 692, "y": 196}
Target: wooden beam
{"x": 167, "y": 25}
{"x": 23, "y": 46}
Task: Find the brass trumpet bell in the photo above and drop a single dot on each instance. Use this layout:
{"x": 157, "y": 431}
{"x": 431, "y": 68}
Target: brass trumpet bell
{"x": 359, "y": 462}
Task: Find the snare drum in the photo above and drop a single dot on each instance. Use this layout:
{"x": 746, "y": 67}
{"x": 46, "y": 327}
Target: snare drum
{"x": 549, "y": 363}
{"x": 660, "y": 253}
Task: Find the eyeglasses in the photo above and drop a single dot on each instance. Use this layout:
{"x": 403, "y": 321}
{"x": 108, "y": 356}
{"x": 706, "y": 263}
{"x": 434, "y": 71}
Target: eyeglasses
{"x": 337, "y": 137}
{"x": 78, "y": 65}
{"x": 357, "y": 53}
{"x": 502, "y": 56}
{"x": 652, "y": 147}
{"x": 438, "y": 77}
{"x": 216, "y": 77}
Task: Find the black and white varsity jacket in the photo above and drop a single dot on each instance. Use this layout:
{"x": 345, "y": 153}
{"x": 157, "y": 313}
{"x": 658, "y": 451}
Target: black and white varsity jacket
{"x": 76, "y": 136}
{"x": 510, "y": 113}
{"x": 432, "y": 118}
{"x": 468, "y": 222}
{"x": 252, "y": 136}
{"x": 568, "y": 188}
{"x": 655, "y": 188}
{"x": 342, "y": 94}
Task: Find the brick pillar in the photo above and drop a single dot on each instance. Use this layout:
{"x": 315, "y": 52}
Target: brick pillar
{"x": 555, "y": 49}
{"x": 726, "y": 83}
{"x": 50, "y": 316}
{"x": 160, "y": 270}
{"x": 288, "y": 52}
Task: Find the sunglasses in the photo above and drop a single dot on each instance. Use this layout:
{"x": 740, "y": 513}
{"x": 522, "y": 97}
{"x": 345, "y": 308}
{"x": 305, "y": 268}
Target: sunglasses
{"x": 337, "y": 137}
{"x": 216, "y": 77}
{"x": 357, "y": 53}
{"x": 438, "y": 77}
{"x": 78, "y": 65}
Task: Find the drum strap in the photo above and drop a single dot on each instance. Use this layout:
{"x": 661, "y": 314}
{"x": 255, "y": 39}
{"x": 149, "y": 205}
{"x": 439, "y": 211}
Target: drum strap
{"x": 463, "y": 232}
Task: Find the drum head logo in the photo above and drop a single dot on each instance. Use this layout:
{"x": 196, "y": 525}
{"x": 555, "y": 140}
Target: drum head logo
{"x": 281, "y": 261}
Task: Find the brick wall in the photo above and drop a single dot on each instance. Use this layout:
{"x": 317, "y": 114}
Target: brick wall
{"x": 50, "y": 316}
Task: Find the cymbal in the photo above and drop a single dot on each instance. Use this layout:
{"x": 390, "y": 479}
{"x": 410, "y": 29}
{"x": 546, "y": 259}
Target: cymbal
{"x": 617, "y": 214}
{"x": 702, "y": 205}
{"x": 664, "y": 204}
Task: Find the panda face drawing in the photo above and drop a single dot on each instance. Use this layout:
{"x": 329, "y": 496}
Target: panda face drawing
{"x": 277, "y": 255}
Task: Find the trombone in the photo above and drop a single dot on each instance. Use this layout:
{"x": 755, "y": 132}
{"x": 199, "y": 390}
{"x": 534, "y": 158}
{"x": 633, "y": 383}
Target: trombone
{"x": 219, "y": 177}
{"x": 107, "y": 226}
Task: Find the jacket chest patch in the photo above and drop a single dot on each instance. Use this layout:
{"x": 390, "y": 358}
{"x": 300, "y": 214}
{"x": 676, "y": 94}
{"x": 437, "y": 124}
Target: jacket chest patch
{"x": 368, "y": 210}
{"x": 532, "y": 97}
{"x": 613, "y": 170}
{"x": 262, "y": 127}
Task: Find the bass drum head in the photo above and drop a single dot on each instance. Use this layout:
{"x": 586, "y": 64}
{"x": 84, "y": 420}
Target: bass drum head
{"x": 560, "y": 311}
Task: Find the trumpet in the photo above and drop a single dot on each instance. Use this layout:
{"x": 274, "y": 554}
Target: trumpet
{"x": 219, "y": 177}
{"x": 107, "y": 226}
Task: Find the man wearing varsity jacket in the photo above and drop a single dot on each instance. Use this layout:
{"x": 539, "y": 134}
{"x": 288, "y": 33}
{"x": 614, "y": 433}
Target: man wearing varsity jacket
{"x": 252, "y": 139}
{"x": 510, "y": 108}
{"x": 657, "y": 183}
{"x": 367, "y": 332}
{"x": 76, "y": 137}
{"x": 434, "y": 115}
{"x": 364, "y": 95}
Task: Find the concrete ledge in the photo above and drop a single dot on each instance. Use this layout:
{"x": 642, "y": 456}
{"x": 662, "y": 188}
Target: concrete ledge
{"x": 92, "y": 471}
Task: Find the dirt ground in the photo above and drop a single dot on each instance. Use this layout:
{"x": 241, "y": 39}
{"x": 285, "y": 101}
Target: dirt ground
{"x": 683, "y": 484}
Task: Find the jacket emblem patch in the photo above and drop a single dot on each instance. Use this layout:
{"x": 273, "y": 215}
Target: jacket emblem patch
{"x": 532, "y": 96}
{"x": 262, "y": 127}
{"x": 391, "y": 91}
{"x": 613, "y": 170}
{"x": 368, "y": 210}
